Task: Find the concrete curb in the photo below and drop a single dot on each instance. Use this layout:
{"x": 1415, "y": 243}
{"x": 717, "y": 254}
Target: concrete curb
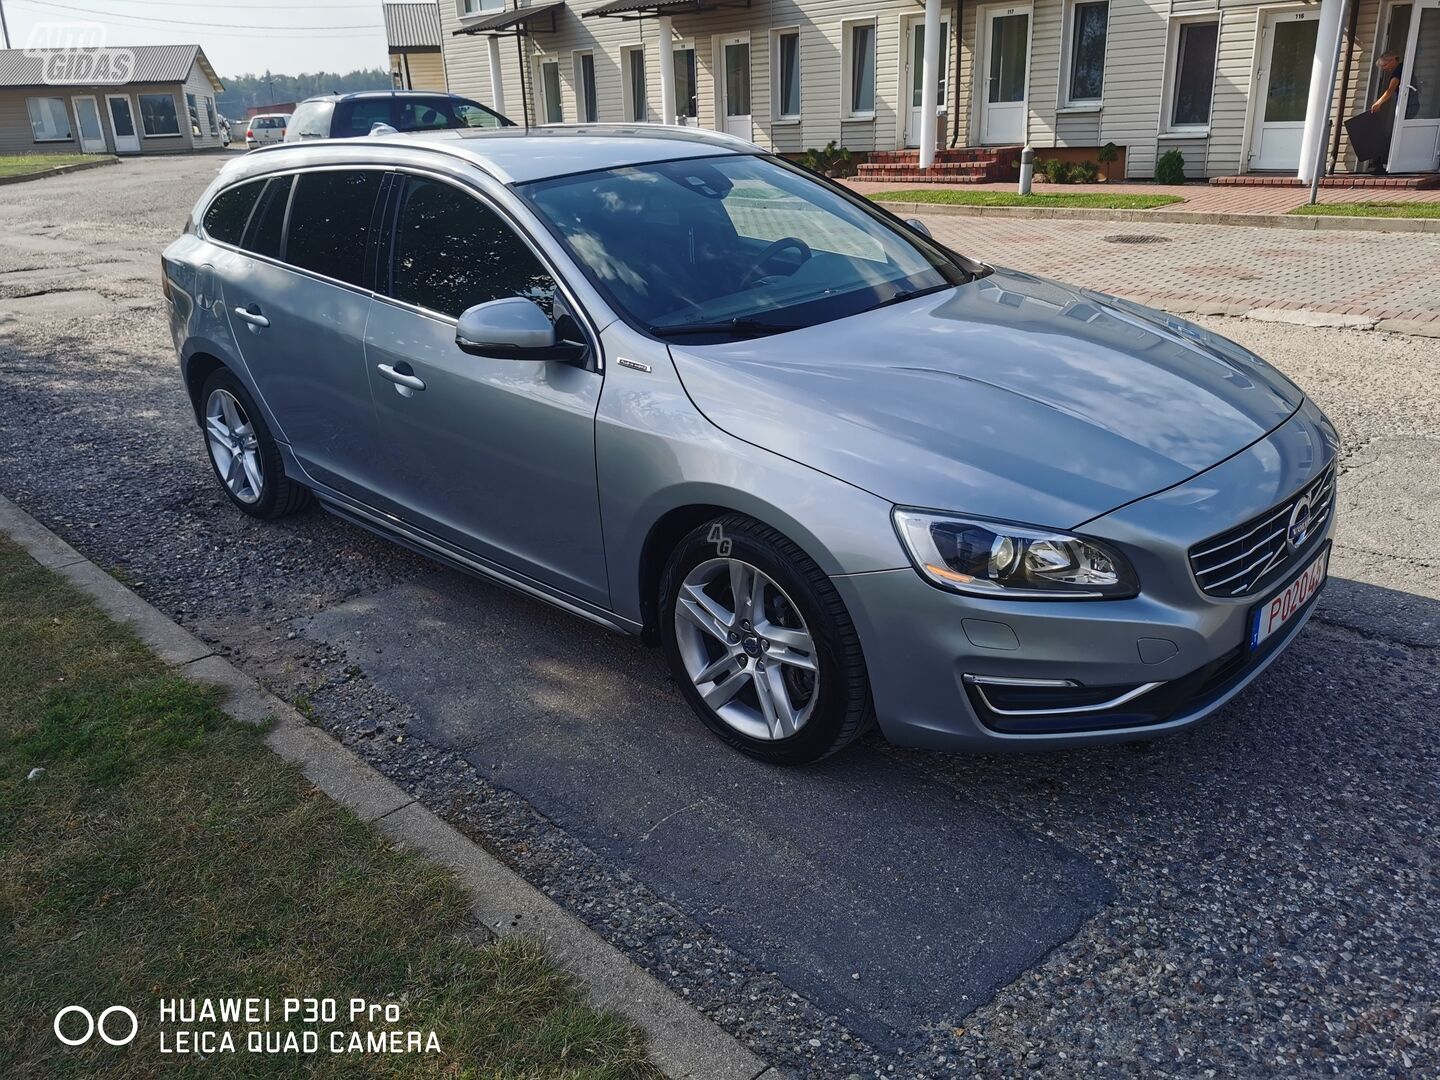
{"x": 1173, "y": 217}
{"x": 59, "y": 170}
{"x": 683, "y": 1044}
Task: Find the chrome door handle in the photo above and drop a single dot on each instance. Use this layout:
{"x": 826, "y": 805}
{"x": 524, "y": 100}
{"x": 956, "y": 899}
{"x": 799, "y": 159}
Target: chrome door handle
{"x": 399, "y": 378}
{"x": 254, "y": 318}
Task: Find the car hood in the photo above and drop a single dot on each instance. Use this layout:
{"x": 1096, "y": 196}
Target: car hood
{"x": 1011, "y": 397}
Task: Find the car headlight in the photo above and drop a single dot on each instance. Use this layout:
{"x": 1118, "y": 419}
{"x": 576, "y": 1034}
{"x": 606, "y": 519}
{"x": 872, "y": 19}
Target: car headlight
{"x": 995, "y": 558}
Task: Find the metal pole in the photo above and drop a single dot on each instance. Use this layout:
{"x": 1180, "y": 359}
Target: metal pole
{"x": 1027, "y": 169}
{"x": 1325, "y": 122}
{"x": 667, "y": 70}
{"x": 929, "y": 83}
{"x": 4, "y": 29}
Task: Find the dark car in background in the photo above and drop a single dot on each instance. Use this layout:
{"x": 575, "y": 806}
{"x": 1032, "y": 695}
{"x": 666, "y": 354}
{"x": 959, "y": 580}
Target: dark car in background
{"x": 343, "y": 116}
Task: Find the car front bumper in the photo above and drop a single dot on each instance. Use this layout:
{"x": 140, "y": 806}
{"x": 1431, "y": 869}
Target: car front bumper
{"x": 955, "y": 672}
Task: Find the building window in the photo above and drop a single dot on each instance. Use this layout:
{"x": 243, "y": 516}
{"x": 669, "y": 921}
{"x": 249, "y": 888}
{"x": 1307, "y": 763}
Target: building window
{"x": 860, "y": 69}
{"x": 470, "y": 8}
{"x": 1088, "y": 25}
{"x": 157, "y": 115}
{"x": 633, "y": 60}
{"x": 685, "y": 84}
{"x": 550, "y": 105}
{"x": 1194, "y": 74}
{"x": 786, "y": 93}
{"x": 192, "y": 105}
{"x": 49, "y": 121}
{"x": 210, "y": 116}
{"x": 585, "y": 101}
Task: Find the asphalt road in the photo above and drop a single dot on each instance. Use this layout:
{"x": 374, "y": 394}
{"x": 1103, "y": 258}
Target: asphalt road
{"x": 1256, "y": 897}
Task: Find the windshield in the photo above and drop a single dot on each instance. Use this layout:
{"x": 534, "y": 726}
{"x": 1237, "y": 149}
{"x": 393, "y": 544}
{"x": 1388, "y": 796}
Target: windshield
{"x": 734, "y": 246}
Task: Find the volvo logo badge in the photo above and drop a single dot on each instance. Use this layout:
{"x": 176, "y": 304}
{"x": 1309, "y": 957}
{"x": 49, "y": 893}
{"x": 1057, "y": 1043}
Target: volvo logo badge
{"x": 1302, "y": 518}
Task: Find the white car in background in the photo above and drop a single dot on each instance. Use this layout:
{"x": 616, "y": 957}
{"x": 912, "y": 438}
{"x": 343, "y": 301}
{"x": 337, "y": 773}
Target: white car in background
{"x": 265, "y": 129}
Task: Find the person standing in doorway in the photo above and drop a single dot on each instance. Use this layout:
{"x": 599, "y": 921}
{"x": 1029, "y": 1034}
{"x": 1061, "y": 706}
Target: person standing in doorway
{"x": 1389, "y": 65}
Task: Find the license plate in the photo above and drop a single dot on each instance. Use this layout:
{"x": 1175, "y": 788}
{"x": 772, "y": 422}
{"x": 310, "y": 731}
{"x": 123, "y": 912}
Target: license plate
{"x": 1287, "y": 604}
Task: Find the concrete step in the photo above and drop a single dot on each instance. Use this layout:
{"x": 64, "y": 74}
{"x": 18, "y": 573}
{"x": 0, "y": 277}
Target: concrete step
{"x": 1416, "y": 182}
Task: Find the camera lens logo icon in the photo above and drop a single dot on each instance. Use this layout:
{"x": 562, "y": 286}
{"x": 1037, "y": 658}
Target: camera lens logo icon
{"x": 103, "y": 1025}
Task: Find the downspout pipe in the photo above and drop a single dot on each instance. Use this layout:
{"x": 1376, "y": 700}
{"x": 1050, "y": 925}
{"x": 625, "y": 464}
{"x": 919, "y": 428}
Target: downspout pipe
{"x": 954, "y": 104}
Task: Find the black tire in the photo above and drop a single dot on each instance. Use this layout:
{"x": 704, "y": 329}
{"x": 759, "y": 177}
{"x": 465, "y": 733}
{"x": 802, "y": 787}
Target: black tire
{"x": 843, "y": 709}
{"x": 279, "y": 495}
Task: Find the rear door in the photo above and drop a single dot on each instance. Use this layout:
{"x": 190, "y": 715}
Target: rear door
{"x": 298, "y": 298}
{"x": 494, "y": 456}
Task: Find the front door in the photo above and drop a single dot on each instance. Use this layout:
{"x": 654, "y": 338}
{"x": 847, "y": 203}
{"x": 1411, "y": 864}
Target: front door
{"x": 735, "y": 86}
{"x": 494, "y": 456}
{"x": 914, "y": 65}
{"x": 87, "y": 124}
{"x": 1416, "y": 140}
{"x": 1287, "y": 54}
{"x": 1004, "y": 76}
{"x": 122, "y": 123}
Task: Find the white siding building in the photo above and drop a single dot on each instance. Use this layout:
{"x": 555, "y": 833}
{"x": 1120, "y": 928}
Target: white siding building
{"x": 1237, "y": 87}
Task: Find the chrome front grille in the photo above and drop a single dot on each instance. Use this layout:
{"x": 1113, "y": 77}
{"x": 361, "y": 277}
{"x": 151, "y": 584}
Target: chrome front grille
{"x": 1251, "y": 556}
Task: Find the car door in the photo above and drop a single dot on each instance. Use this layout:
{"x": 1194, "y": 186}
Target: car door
{"x": 492, "y": 455}
{"x": 298, "y": 298}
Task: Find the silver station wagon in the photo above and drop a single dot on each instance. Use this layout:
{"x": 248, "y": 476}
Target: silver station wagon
{"x": 684, "y": 389}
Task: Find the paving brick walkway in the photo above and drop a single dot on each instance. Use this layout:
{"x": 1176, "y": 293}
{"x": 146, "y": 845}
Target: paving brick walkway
{"x": 1221, "y": 269}
{"x": 1199, "y": 198}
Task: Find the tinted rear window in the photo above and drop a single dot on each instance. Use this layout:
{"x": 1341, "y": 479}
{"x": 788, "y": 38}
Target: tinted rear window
{"x": 268, "y": 221}
{"x": 230, "y": 210}
{"x": 330, "y": 221}
{"x": 354, "y": 118}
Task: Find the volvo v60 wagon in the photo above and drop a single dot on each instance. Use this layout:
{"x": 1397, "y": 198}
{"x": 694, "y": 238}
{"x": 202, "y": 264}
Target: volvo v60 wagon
{"x": 686, "y": 390}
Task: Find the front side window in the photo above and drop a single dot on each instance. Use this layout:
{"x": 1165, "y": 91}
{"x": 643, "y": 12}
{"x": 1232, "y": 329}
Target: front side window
{"x": 49, "y": 119}
{"x": 862, "y": 68}
{"x": 157, "y": 115}
{"x": 1088, "y": 26}
{"x": 585, "y": 99}
{"x": 550, "y": 91}
{"x": 729, "y": 246}
{"x": 228, "y": 212}
{"x": 1194, "y": 74}
{"x": 452, "y": 252}
{"x": 787, "y": 75}
{"x": 330, "y": 222}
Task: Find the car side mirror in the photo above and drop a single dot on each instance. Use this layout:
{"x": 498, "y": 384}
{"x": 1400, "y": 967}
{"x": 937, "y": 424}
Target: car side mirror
{"x": 919, "y": 226}
{"x": 511, "y": 328}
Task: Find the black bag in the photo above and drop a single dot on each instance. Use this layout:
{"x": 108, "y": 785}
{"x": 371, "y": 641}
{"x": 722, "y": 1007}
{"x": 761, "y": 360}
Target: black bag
{"x": 1369, "y": 135}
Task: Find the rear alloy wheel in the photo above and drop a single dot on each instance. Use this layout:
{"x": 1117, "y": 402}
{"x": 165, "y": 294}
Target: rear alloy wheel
{"x": 244, "y": 455}
{"x": 761, "y": 644}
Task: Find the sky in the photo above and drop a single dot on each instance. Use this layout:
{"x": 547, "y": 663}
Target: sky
{"x": 239, "y": 36}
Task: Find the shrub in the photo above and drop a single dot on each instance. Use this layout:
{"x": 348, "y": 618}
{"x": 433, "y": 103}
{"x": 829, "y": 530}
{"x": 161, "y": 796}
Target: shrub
{"x": 1084, "y": 172}
{"x": 833, "y": 161}
{"x": 1170, "y": 169}
{"x": 1108, "y": 154}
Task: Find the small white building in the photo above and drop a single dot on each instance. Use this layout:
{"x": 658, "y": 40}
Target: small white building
{"x": 138, "y": 99}
{"x": 1237, "y": 86}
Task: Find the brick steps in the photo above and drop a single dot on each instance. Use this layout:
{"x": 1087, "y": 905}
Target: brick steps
{"x": 1416, "y": 182}
{"x": 961, "y": 165}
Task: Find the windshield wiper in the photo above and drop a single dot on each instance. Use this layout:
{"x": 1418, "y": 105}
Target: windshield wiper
{"x": 740, "y": 327}
{"x": 899, "y": 296}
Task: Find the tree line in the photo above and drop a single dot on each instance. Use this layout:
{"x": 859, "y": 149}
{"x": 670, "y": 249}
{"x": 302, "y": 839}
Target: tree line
{"x": 244, "y": 91}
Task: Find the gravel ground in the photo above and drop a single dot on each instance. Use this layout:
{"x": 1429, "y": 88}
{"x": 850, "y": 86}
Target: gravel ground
{"x": 1275, "y": 910}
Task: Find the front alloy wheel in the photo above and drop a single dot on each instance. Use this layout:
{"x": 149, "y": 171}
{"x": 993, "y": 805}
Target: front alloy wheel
{"x": 760, "y": 643}
{"x": 746, "y": 649}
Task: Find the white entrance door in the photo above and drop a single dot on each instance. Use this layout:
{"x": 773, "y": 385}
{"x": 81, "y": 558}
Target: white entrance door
{"x": 1416, "y": 142}
{"x": 1007, "y": 56}
{"x": 913, "y": 65}
{"x": 1286, "y": 56}
{"x": 735, "y": 86}
{"x": 122, "y": 123}
{"x": 87, "y": 123}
